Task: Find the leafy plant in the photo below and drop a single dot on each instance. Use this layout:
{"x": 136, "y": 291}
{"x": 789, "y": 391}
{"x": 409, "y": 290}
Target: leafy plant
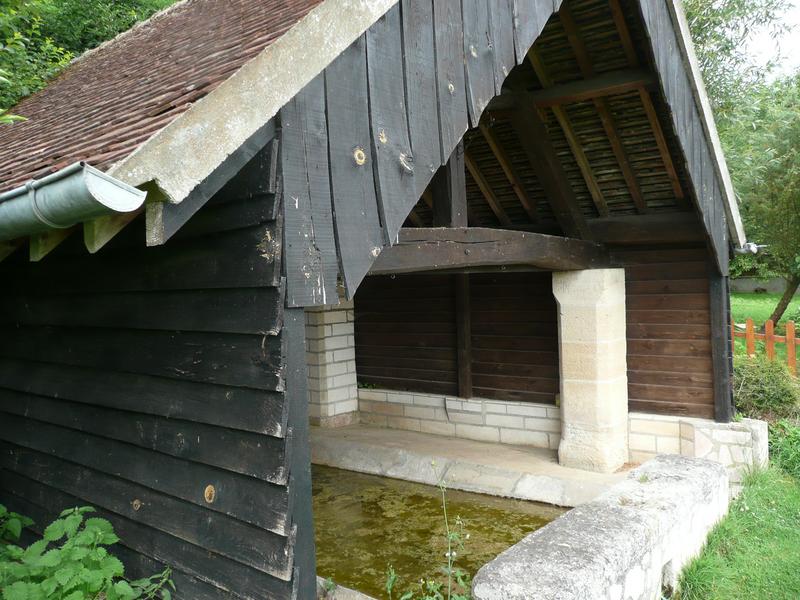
{"x": 11, "y": 525}
{"x": 38, "y": 38}
{"x": 70, "y": 562}
{"x": 764, "y": 388}
{"x": 452, "y": 583}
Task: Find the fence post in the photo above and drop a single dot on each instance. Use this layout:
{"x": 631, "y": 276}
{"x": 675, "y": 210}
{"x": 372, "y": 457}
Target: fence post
{"x": 769, "y": 338}
{"x": 750, "y": 339}
{"x": 790, "y": 349}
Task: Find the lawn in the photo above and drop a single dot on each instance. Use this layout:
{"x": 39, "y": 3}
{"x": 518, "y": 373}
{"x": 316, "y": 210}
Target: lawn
{"x": 759, "y": 307}
{"x": 755, "y": 551}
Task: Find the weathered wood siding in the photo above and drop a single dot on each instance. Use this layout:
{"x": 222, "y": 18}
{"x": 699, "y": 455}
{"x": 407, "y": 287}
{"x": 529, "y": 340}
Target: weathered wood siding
{"x": 389, "y": 111}
{"x": 669, "y": 330}
{"x": 406, "y": 335}
{"x": 135, "y": 379}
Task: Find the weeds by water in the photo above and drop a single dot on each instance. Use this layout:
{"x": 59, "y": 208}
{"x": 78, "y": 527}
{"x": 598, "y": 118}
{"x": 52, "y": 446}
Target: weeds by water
{"x": 453, "y": 583}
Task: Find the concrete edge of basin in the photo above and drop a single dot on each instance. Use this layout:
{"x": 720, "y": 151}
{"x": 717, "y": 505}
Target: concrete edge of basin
{"x": 568, "y": 490}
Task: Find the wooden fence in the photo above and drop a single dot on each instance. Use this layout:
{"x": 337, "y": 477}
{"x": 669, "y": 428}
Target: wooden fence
{"x": 770, "y": 339}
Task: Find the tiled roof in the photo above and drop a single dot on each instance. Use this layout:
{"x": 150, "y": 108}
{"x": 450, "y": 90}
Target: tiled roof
{"x": 113, "y": 99}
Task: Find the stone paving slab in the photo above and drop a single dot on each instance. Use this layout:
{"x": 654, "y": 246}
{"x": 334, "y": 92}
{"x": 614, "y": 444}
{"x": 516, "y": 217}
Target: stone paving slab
{"x": 520, "y": 472}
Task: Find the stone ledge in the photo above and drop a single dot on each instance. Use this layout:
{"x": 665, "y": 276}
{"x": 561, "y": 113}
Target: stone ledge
{"x": 627, "y": 543}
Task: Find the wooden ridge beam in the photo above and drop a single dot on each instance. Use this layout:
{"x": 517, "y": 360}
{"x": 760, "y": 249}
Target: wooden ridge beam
{"x": 535, "y": 140}
{"x": 486, "y": 190}
{"x": 592, "y": 88}
{"x": 603, "y": 109}
{"x": 572, "y": 139}
{"x": 500, "y": 154}
{"x": 445, "y": 248}
{"x": 647, "y": 101}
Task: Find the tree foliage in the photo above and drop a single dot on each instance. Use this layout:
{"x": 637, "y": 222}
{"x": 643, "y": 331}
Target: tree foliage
{"x": 38, "y": 38}
{"x": 758, "y": 118}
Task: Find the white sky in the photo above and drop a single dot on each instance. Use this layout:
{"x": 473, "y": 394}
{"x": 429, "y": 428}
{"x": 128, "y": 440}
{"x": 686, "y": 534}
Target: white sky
{"x": 785, "y": 48}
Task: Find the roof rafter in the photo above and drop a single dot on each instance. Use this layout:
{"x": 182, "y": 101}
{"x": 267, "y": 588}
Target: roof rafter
{"x": 535, "y": 140}
{"x": 572, "y": 139}
{"x": 528, "y": 203}
{"x": 647, "y": 101}
{"x": 486, "y": 190}
{"x": 603, "y": 108}
{"x": 605, "y": 84}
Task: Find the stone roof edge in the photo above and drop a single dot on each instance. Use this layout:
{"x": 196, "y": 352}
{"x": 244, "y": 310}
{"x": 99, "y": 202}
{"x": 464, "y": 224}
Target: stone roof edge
{"x": 185, "y": 152}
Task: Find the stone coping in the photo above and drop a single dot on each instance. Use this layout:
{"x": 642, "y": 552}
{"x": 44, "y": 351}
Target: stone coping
{"x": 631, "y": 542}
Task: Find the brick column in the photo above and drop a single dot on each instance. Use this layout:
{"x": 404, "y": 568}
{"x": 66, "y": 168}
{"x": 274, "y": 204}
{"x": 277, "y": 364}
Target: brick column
{"x": 331, "y": 357}
{"x": 594, "y": 383}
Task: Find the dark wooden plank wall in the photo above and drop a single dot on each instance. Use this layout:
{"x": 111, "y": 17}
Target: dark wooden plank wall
{"x": 406, "y": 335}
{"x": 397, "y": 102}
{"x": 669, "y": 330}
{"x": 134, "y": 379}
{"x": 514, "y": 337}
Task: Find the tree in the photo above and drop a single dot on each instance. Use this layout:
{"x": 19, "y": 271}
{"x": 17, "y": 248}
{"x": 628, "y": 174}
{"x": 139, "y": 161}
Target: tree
{"x": 38, "y": 38}
{"x": 759, "y": 125}
{"x": 763, "y": 148}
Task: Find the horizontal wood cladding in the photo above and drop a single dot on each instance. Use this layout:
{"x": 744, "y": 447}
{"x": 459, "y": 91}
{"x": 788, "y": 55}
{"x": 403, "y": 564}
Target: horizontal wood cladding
{"x": 514, "y": 337}
{"x": 141, "y": 380}
{"x": 669, "y": 330}
{"x": 406, "y": 335}
{"x": 393, "y": 348}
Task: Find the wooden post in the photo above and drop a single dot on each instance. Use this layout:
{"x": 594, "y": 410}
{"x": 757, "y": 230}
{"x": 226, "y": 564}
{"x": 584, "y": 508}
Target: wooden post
{"x": 449, "y": 188}
{"x": 750, "y": 339}
{"x": 733, "y": 337}
{"x": 464, "y": 335}
{"x": 769, "y": 338}
{"x": 790, "y": 347}
{"x": 721, "y": 359}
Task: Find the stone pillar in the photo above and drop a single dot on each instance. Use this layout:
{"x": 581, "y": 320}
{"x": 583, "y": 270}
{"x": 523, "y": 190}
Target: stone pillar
{"x": 331, "y": 358}
{"x": 593, "y": 368}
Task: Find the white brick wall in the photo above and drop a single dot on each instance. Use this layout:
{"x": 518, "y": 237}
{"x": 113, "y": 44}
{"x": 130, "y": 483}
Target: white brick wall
{"x": 736, "y": 445}
{"x": 331, "y": 358}
{"x": 518, "y": 423}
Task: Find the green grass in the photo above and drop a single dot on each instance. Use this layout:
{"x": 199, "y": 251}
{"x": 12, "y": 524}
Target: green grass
{"x": 755, "y": 551}
{"x": 759, "y": 307}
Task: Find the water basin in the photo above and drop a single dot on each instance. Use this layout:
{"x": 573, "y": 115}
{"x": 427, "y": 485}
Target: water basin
{"x": 363, "y": 523}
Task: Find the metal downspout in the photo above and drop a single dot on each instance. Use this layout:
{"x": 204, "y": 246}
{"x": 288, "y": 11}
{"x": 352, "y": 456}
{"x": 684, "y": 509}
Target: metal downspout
{"x": 70, "y": 196}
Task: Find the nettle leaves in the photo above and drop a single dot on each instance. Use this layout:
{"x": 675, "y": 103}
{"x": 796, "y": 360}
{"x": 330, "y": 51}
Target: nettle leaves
{"x": 70, "y": 562}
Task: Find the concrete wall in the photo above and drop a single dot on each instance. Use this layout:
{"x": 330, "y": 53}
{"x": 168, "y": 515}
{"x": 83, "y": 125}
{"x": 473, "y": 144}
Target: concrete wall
{"x": 776, "y": 285}
{"x": 630, "y": 543}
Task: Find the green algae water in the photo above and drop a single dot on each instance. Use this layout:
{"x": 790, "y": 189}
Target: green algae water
{"x": 364, "y": 523}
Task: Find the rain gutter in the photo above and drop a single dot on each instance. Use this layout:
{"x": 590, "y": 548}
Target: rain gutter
{"x": 70, "y": 196}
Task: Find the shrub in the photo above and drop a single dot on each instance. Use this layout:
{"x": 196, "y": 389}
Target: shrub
{"x": 765, "y": 389}
{"x": 784, "y": 446}
{"x": 70, "y": 562}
